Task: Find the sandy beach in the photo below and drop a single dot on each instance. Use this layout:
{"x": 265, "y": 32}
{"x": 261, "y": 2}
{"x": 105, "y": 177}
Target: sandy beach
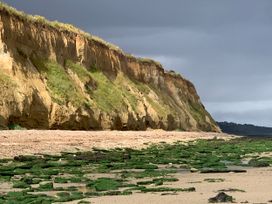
{"x": 21, "y": 142}
{"x": 253, "y": 186}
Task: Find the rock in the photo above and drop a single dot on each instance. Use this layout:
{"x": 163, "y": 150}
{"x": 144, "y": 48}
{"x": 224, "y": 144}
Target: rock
{"x": 193, "y": 170}
{"x": 221, "y": 198}
{"x": 166, "y": 194}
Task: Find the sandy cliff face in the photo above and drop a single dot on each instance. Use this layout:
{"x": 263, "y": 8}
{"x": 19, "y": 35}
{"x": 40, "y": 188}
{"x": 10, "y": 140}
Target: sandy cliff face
{"x": 55, "y": 78}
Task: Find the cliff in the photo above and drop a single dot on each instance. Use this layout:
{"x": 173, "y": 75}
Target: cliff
{"x": 55, "y": 76}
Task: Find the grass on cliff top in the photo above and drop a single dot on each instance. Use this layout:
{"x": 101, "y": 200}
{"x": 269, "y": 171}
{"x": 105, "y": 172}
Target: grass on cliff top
{"x": 173, "y": 73}
{"x": 70, "y": 28}
{"x": 149, "y": 61}
{"x": 79, "y": 171}
{"x": 60, "y": 85}
{"x": 57, "y": 25}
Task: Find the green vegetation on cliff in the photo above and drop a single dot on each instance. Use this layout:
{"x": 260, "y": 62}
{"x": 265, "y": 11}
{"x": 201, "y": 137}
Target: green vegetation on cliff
{"x": 6, "y": 82}
{"x": 60, "y": 85}
{"x": 82, "y": 73}
{"x": 114, "y": 95}
{"x": 107, "y": 96}
{"x": 120, "y": 92}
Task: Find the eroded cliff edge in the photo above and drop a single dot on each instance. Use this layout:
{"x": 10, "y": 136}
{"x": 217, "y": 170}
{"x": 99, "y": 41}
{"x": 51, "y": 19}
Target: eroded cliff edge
{"x": 54, "y": 76}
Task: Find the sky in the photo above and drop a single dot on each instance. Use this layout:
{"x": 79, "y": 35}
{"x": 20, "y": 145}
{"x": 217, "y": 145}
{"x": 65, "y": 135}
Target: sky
{"x": 223, "y": 46}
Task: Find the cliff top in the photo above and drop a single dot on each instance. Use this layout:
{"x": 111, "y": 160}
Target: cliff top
{"x": 65, "y": 27}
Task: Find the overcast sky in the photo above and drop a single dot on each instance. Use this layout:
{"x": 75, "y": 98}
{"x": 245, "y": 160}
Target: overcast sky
{"x": 223, "y": 46}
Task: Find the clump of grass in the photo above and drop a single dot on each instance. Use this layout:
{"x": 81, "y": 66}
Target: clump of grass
{"x": 157, "y": 181}
{"x": 199, "y": 114}
{"x": 166, "y": 189}
{"x": 82, "y": 73}
{"x": 69, "y": 196}
{"x": 107, "y": 96}
{"x": 16, "y": 127}
{"x": 30, "y": 180}
{"x": 127, "y": 86}
{"x": 4, "y": 179}
{"x": 214, "y": 180}
{"x": 69, "y": 179}
{"x": 144, "y": 88}
{"x": 112, "y": 193}
{"x": 83, "y": 202}
{"x": 25, "y": 158}
{"x": 222, "y": 170}
{"x": 105, "y": 43}
{"x": 260, "y": 162}
{"x": 146, "y": 173}
{"x": 46, "y": 187}
{"x": 130, "y": 56}
{"x": 12, "y": 11}
{"x": 149, "y": 61}
{"x": 24, "y": 197}
{"x": 165, "y": 179}
{"x": 145, "y": 182}
{"x": 173, "y": 73}
{"x": 6, "y": 84}
{"x": 20, "y": 184}
{"x": 159, "y": 107}
{"x": 104, "y": 184}
{"x": 60, "y": 85}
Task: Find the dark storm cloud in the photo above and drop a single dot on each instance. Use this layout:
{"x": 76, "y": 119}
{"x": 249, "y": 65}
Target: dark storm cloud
{"x": 223, "y": 46}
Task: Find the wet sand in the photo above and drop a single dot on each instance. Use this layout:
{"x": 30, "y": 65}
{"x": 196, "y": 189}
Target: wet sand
{"x": 256, "y": 183}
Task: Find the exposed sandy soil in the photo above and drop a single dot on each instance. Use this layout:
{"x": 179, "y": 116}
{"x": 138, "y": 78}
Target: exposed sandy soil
{"x": 22, "y": 142}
